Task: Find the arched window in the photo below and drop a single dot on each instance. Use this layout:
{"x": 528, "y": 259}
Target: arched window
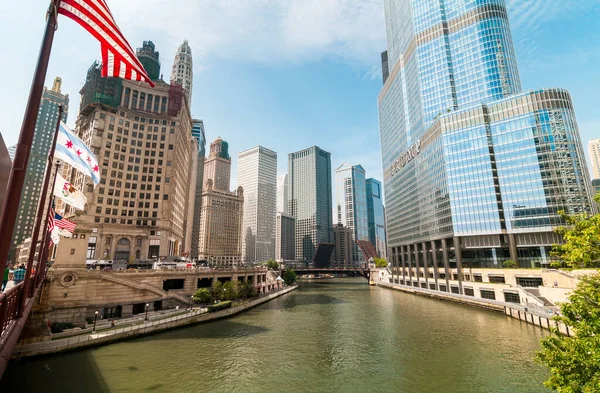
{"x": 123, "y": 242}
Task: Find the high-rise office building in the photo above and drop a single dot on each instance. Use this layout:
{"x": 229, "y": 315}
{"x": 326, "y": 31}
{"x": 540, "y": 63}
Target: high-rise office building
{"x": 143, "y": 207}
{"x": 200, "y": 137}
{"x": 257, "y": 175}
{"x": 376, "y": 217}
{"x": 385, "y": 69}
{"x": 222, "y": 211}
{"x": 344, "y": 251}
{"x": 45, "y": 129}
{"x": 309, "y": 190}
{"x": 183, "y": 71}
{"x": 594, "y": 150}
{"x": 12, "y": 150}
{"x": 285, "y": 238}
{"x": 282, "y": 192}
{"x": 351, "y": 204}
{"x": 475, "y": 170}
{"x": 149, "y": 58}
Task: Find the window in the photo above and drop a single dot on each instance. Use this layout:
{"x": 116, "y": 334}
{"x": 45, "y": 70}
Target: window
{"x": 488, "y": 294}
{"x": 510, "y": 297}
{"x": 91, "y": 250}
{"x": 443, "y": 288}
{"x": 454, "y": 289}
{"x": 469, "y": 291}
{"x": 530, "y": 282}
{"x": 497, "y": 279}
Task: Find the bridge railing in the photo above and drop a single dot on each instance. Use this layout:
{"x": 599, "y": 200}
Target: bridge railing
{"x": 9, "y": 309}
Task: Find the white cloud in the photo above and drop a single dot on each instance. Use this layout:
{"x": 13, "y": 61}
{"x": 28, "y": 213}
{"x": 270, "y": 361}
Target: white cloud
{"x": 262, "y": 31}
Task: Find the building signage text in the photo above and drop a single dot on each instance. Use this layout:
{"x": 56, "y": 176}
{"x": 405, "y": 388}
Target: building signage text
{"x": 405, "y": 158}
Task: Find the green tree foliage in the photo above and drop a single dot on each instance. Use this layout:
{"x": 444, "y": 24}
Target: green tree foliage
{"x": 289, "y": 277}
{"x": 231, "y": 290}
{"x": 216, "y": 291}
{"x": 582, "y": 240}
{"x": 202, "y": 295}
{"x": 574, "y": 362}
{"x": 247, "y": 290}
{"x": 380, "y": 262}
{"x": 272, "y": 264}
{"x": 509, "y": 264}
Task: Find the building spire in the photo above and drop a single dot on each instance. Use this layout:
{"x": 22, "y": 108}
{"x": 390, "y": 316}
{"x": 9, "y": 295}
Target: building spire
{"x": 183, "y": 72}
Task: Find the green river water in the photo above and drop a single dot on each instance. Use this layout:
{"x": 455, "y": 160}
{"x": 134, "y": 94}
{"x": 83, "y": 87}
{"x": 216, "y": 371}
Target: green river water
{"x": 328, "y": 336}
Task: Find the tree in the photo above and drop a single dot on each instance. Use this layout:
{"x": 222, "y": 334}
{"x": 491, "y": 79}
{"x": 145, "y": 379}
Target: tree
{"x": 272, "y": 264}
{"x": 582, "y": 240}
{"x": 202, "y": 295}
{"x": 380, "y": 262}
{"x": 574, "y": 362}
{"x": 247, "y": 290}
{"x": 509, "y": 264}
{"x": 289, "y": 277}
{"x": 216, "y": 291}
{"x": 230, "y": 290}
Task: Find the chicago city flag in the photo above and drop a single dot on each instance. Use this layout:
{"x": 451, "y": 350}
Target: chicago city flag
{"x": 68, "y": 193}
{"x": 74, "y": 152}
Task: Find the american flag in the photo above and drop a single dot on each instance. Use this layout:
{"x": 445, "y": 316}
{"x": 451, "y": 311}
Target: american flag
{"x": 64, "y": 223}
{"x": 51, "y": 216}
{"x": 118, "y": 58}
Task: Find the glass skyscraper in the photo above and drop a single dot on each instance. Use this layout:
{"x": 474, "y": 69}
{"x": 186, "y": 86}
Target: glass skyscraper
{"x": 200, "y": 136}
{"x": 309, "y": 199}
{"x": 351, "y": 204}
{"x": 45, "y": 128}
{"x": 376, "y": 218}
{"x": 475, "y": 170}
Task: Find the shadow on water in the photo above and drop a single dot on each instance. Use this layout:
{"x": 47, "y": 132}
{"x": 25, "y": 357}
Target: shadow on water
{"x": 54, "y": 374}
{"x": 222, "y": 329}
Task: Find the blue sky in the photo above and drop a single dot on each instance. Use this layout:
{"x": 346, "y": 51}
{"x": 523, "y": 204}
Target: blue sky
{"x": 290, "y": 74}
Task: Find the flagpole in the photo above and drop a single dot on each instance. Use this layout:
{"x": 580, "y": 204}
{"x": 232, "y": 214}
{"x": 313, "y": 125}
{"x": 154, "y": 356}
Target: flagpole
{"x": 41, "y": 217}
{"x": 14, "y": 188}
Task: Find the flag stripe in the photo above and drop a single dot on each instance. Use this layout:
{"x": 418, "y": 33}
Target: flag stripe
{"x": 96, "y": 18}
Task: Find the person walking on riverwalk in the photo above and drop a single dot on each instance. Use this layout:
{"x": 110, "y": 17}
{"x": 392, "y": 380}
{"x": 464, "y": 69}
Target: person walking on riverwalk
{"x": 19, "y": 274}
{"x": 5, "y": 278}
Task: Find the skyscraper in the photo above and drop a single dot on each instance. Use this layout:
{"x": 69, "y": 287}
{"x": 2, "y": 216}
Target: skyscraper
{"x": 475, "y": 170}
{"x": 282, "y": 192}
{"x": 376, "y": 216}
{"x": 183, "y": 71}
{"x": 45, "y": 128}
{"x": 149, "y": 58}
{"x": 344, "y": 252}
{"x": 594, "y": 150}
{"x": 285, "y": 238}
{"x": 200, "y": 137}
{"x": 143, "y": 207}
{"x": 309, "y": 190}
{"x": 257, "y": 175}
{"x": 351, "y": 204}
{"x": 222, "y": 212}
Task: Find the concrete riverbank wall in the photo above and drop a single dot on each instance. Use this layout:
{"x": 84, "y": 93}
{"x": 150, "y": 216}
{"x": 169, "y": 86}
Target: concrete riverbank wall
{"x": 516, "y": 311}
{"x": 150, "y": 327}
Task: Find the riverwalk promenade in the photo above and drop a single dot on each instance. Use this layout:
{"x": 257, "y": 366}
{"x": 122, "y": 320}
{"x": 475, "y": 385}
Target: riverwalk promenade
{"x": 105, "y": 334}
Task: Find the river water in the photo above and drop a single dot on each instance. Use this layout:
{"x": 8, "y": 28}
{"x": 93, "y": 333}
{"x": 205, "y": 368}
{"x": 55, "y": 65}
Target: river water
{"x": 328, "y": 336}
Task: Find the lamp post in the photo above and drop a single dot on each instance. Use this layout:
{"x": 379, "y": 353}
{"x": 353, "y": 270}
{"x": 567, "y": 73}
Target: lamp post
{"x": 191, "y": 299}
{"x": 146, "y": 319}
{"x": 95, "y": 318}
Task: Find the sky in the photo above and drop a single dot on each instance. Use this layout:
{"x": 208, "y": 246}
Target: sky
{"x": 289, "y": 74}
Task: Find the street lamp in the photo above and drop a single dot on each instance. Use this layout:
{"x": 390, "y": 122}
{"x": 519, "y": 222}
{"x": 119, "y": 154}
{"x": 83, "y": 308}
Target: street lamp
{"x": 147, "y": 305}
{"x": 95, "y": 318}
{"x": 191, "y": 299}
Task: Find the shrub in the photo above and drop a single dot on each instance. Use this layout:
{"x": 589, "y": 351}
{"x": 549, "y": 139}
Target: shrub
{"x": 58, "y": 327}
{"x": 247, "y": 290}
{"x": 219, "y": 306}
{"x": 289, "y": 277}
{"x": 272, "y": 264}
{"x": 230, "y": 290}
{"x": 380, "y": 262}
{"x": 202, "y": 295}
{"x": 509, "y": 264}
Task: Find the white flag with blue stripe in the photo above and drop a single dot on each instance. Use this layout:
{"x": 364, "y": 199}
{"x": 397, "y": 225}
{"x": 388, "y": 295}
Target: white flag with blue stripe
{"x": 74, "y": 152}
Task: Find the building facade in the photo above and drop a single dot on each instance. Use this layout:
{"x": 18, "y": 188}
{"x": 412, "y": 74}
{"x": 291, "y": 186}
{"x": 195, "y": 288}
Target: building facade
{"x": 351, "y": 204}
{"x": 183, "y": 71}
{"x": 310, "y": 200}
{"x": 45, "y": 129}
{"x": 282, "y": 192}
{"x": 143, "y": 207}
{"x": 285, "y": 238}
{"x": 594, "y": 152}
{"x": 257, "y": 175}
{"x": 376, "y": 216}
{"x": 344, "y": 251}
{"x": 475, "y": 170}
{"x": 222, "y": 211}
{"x": 200, "y": 137}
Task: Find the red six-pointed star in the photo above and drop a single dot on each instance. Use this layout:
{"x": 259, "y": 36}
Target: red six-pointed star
{"x": 69, "y": 144}
{"x": 96, "y": 168}
{"x": 78, "y": 152}
{"x": 89, "y": 159}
